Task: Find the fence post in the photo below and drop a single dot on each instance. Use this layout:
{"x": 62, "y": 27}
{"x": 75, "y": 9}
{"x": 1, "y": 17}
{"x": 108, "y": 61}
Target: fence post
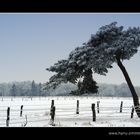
{"x": 21, "y": 109}
{"x": 8, "y": 116}
{"x": 132, "y": 112}
{"x": 52, "y": 104}
{"x": 93, "y": 112}
{"x": 77, "y": 109}
{"x": 98, "y": 106}
{"x": 52, "y": 114}
{"x": 121, "y": 106}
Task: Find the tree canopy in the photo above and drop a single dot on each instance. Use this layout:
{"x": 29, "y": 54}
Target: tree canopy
{"x": 97, "y": 54}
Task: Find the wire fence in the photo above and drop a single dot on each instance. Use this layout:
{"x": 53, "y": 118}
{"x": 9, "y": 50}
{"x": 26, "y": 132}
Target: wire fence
{"x": 41, "y": 113}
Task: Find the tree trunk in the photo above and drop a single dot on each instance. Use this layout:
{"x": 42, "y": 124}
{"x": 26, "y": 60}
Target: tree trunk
{"x": 130, "y": 85}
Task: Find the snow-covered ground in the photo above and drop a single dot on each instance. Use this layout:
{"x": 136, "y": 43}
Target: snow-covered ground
{"x": 36, "y": 112}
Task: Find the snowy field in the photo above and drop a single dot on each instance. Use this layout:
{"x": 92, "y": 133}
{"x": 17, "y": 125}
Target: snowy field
{"x": 36, "y": 112}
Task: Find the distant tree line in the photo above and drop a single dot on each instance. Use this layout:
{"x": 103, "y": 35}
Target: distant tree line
{"x": 31, "y": 88}
{"x": 26, "y": 88}
{"x": 112, "y": 90}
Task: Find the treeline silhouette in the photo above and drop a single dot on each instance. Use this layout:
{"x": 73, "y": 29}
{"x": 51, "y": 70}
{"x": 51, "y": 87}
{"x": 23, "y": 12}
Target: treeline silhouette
{"x": 31, "y": 88}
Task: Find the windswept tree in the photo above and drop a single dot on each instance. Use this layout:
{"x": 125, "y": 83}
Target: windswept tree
{"x": 111, "y": 45}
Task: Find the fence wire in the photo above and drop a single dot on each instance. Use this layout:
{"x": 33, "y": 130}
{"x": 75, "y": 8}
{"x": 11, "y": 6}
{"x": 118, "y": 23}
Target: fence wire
{"x": 62, "y": 111}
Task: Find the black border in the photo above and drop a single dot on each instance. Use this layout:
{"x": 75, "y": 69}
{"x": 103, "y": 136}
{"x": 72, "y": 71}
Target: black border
{"x": 82, "y": 6}
{"x": 70, "y": 6}
{"x": 68, "y": 132}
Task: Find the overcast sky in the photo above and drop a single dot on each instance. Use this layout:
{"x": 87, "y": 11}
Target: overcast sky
{"x": 29, "y": 43}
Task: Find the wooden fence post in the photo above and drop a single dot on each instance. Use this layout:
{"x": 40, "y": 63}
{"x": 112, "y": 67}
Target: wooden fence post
{"x": 8, "y": 116}
{"x": 121, "y": 106}
{"x": 21, "y": 109}
{"x": 52, "y": 104}
{"x": 132, "y": 112}
{"x": 93, "y": 112}
{"x": 77, "y": 108}
{"x": 98, "y": 109}
{"x": 52, "y": 115}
